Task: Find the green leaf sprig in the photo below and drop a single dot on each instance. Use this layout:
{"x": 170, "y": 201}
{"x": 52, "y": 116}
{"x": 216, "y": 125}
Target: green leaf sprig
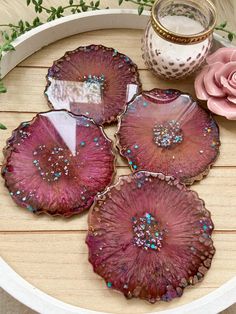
{"x": 222, "y": 27}
{"x": 57, "y": 12}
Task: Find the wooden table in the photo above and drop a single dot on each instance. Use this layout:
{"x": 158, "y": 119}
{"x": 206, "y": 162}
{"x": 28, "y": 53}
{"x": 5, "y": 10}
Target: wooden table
{"x": 49, "y": 252}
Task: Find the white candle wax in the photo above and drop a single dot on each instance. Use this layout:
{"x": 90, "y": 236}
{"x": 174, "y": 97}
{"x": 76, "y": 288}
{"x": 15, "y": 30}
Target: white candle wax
{"x": 173, "y": 60}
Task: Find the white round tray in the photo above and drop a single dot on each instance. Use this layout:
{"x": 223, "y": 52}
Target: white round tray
{"x": 26, "y": 45}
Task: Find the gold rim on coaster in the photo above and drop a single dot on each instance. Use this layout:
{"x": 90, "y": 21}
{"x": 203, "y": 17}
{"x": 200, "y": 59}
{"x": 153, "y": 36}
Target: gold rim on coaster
{"x": 179, "y": 38}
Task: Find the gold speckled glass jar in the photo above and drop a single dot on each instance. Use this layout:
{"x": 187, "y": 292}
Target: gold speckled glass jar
{"x": 178, "y": 37}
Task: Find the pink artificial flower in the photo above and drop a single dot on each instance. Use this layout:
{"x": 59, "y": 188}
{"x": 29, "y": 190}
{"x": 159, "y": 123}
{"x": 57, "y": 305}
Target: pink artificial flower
{"x": 216, "y": 83}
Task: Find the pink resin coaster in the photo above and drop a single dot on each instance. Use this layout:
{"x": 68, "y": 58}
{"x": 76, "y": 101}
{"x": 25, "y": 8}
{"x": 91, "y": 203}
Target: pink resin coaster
{"x": 167, "y": 131}
{"x": 94, "y": 81}
{"x": 150, "y": 237}
{"x": 57, "y": 163}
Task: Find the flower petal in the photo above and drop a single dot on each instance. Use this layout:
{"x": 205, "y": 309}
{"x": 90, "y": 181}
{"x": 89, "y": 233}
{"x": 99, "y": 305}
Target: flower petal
{"x": 232, "y": 99}
{"x": 199, "y": 85}
{"x": 210, "y": 82}
{"x": 225, "y": 70}
{"x": 233, "y": 56}
{"x": 232, "y": 80}
{"x": 228, "y": 89}
{"x": 222, "y": 107}
{"x": 222, "y": 55}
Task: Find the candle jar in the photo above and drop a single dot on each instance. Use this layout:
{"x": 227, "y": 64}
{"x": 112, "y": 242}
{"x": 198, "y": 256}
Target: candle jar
{"x": 178, "y": 37}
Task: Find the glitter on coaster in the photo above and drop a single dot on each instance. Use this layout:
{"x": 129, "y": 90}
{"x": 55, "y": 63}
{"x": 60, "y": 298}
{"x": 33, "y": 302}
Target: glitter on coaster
{"x": 93, "y": 79}
{"x": 50, "y": 163}
{"x": 147, "y": 234}
{"x": 168, "y": 134}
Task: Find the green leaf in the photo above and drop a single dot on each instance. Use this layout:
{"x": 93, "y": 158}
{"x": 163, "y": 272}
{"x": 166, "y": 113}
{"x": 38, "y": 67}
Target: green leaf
{"x": 2, "y": 126}
{"x": 8, "y": 47}
{"x": 120, "y": 2}
{"x": 71, "y": 2}
{"x": 230, "y": 36}
{"x": 2, "y": 88}
{"x": 21, "y": 25}
{"x": 140, "y": 9}
{"x": 14, "y": 35}
{"x": 28, "y": 2}
{"x": 5, "y": 35}
{"x": 36, "y": 22}
{"x": 223, "y": 25}
{"x": 97, "y": 4}
{"x": 84, "y": 8}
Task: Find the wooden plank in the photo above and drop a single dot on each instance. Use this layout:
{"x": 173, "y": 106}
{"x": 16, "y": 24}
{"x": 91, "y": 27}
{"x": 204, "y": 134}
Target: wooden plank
{"x": 218, "y": 191}
{"x": 58, "y": 264}
{"x": 227, "y": 128}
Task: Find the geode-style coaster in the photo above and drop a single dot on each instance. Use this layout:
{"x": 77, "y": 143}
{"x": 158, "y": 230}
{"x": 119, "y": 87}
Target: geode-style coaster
{"x": 150, "y": 237}
{"x": 167, "y": 131}
{"x": 57, "y": 162}
{"x": 94, "y": 81}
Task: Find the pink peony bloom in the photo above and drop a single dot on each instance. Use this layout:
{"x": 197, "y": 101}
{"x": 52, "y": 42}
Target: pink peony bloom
{"x": 216, "y": 83}
{"x": 150, "y": 237}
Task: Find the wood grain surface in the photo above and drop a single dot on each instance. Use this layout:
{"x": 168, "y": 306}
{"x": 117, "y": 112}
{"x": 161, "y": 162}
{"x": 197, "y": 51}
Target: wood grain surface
{"x": 50, "y": 253}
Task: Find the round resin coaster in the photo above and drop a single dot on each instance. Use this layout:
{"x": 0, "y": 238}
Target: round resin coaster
{"x": 167, "y": 131}
{"x": 94, "y": 81}
{"x": 150, "y": 237}
{"x": 57, "y": 163}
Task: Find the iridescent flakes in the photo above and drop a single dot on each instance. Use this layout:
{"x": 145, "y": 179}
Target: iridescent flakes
{"x": 168, "y": 134}
{"x": 147, "y": 233}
